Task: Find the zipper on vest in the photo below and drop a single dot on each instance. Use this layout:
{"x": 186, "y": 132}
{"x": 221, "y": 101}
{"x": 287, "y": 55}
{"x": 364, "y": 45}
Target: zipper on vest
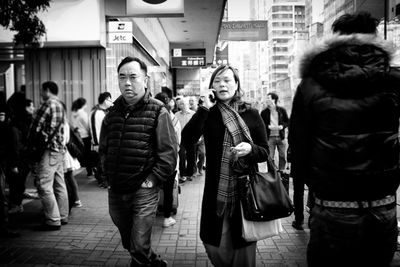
{"x": 120, "y": 141}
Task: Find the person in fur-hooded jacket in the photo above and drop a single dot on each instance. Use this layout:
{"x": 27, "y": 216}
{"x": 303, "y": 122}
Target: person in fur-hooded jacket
{"x": 344, "y": 144}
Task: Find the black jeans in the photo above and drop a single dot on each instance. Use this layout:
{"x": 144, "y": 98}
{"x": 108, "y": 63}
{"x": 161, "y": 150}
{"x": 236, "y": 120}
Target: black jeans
{"x": 168, "y": 188}
{"x": 187, "y": 158}
{"x": 298, "y": 200}
{"x": 352, "y": 237}
{"x": 17, "y": 183}
{"x": 88, "y": 160}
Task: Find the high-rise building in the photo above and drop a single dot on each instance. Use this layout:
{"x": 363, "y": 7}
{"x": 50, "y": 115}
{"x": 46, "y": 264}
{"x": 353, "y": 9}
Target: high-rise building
{"x": 284, "y": 18}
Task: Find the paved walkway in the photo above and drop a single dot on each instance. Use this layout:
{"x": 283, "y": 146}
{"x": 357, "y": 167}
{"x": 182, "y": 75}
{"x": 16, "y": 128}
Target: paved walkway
{"x": 91, "y": 239}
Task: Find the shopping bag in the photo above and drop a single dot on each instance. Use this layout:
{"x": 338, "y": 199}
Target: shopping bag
{"x": 258, "y": 230}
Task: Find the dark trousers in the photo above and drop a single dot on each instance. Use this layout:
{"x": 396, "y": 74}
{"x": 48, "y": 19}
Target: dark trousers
{"x": 88, "y": 161}
{"x": 200, "y": 156}
{"x": 352, "y": 237}
{"x": 3, "y": 199}
{"x": 16, "y": 183}
{"x": 168, "y": 188}
{"x": 298, "y": 199}
{"x": 72, "y": 188}
{"x": 187, "y": 160}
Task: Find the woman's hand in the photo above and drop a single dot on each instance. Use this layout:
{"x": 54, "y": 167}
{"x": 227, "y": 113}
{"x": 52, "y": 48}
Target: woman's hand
{"x": 242, "y": 149}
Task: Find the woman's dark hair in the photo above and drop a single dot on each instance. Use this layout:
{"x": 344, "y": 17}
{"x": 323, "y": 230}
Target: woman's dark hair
{"x": 126, "y": 60}
{"x": 222, "y": 68}
{"x": 163, "y": 97}
{"x": 103, "y": 96}
{"x": 78, "y": 104}
{"x": 361, "y": 22}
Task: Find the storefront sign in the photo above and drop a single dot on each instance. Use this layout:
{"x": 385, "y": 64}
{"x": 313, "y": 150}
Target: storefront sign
{"x": 188, "y": 58}
{"x": 120, "y": 32}
{"x": 155, "y": 8}
{"x": 188, "y": 62}
{"x": 256, "y": 30}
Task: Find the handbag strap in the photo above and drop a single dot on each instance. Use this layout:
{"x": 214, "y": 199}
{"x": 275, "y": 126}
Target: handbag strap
{"x": 270, "y": 165}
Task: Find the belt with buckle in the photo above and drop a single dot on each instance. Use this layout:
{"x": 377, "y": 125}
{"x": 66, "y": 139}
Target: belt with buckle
{"x": 356, "y": 204}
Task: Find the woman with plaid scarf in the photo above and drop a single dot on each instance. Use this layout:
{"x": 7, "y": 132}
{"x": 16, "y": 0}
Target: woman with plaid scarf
{"x": 234, "y": 135}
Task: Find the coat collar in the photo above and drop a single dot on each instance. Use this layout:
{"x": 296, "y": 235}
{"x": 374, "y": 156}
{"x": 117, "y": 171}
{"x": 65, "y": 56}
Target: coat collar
{"x": 336, "y": 40}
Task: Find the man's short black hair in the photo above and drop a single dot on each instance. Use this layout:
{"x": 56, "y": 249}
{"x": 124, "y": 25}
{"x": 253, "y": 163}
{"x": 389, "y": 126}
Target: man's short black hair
{"x": 274, "y": 97}
{"x": 103, "y": 96}
{"x": 51, "y": 86}
{"x": 126, "y": 60}
{"x": 361, "y": 22}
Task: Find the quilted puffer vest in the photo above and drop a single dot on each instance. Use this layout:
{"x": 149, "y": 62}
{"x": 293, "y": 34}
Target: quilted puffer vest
{"x": 131, "y": 144}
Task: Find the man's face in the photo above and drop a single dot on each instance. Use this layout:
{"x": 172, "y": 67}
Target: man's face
{"x": 132, "y": 82}
{"x": 2, "y": 116}
{"x": 270, "y": 102}
{"x": 182, "y": 105}
{"x": 45, "y": 94}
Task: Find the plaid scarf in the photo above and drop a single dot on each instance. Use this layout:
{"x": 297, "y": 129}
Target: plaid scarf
{"x": 236, "y": 131}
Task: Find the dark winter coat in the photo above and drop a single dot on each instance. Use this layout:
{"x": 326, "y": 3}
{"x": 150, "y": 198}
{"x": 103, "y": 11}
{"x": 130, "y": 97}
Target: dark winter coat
{"x": 210, "y": 124}
{"x": 137, "y": 142}
{"x": 283, "y": 120}
{"x": 8, "y": 146}
{"x": 20, "y": 126}
{"x": 344, "y": 125}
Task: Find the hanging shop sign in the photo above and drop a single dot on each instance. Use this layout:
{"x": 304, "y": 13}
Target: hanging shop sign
{"x": 155, "y": 8}
{"x": 188, "y": 58}
{"x": 255, "y": 30}
{"x": 120, "y": 32}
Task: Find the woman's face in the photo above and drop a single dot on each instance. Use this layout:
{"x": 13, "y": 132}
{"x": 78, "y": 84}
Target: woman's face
{"x": 225, "y": 85}
{"x": 30, "y": 109}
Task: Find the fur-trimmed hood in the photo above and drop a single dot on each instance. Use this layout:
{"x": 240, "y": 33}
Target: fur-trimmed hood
{"x": 346, "y": 60}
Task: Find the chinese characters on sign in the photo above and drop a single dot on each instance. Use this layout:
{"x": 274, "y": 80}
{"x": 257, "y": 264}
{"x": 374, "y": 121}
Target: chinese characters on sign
{"x": 188, "y": 58}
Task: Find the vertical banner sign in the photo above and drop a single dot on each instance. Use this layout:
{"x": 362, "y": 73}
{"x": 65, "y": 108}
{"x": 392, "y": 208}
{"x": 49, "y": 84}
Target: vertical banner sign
{"x": 255, "y": 30}
{"x": 120, "y": 32}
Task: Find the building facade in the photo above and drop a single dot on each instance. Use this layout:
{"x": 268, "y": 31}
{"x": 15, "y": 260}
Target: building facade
{"x": 284, "y": 18}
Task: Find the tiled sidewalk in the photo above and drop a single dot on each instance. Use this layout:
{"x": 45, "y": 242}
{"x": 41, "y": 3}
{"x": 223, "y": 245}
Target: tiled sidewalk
{"x": 91, "y": 239}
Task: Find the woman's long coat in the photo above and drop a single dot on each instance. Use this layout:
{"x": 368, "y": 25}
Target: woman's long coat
{"x": 210, "y": 124}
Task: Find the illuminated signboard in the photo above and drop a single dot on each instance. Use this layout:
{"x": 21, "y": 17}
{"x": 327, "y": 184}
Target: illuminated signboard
{"x": 188, "y": 58}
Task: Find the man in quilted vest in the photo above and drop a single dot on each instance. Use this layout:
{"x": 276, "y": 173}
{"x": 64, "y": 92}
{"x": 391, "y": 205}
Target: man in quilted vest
{"x": 138, "y": 150}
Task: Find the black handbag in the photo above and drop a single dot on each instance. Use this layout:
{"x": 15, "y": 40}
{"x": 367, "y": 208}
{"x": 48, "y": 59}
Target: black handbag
{"x": 263, "y": 195}
{"x": 75, "y": 144}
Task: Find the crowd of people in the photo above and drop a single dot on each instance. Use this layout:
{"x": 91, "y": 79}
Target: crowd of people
{"x": 66, "y": 146}
{"x": 341, "y": 140}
